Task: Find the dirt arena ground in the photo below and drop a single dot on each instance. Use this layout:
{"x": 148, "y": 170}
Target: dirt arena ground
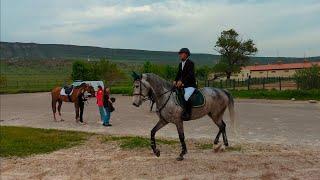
{"x": 279, "y": 140}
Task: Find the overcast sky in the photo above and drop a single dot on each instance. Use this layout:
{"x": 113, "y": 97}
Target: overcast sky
{"x": 278, "y": 27}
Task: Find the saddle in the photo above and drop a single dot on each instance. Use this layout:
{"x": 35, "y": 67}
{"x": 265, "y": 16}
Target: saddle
{"x": 196, "y": 98}
{"x": 68, "y": 89}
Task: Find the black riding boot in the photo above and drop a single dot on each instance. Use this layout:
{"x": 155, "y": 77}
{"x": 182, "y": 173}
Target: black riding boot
{"x": 187, "y": 107}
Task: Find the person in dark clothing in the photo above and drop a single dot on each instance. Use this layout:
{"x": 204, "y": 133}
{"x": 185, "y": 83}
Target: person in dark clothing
{"x": 107, "y": 103}
{"x": 186, "y": 80}
{"x": 81, "y": 100}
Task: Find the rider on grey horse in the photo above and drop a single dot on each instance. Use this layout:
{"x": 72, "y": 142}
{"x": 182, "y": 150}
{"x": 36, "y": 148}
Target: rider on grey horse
{"x": 186, "y": 79}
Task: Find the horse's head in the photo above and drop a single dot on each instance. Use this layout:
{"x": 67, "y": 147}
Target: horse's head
{"x": 88, "y": 88}
{"x": 141, "y": 89}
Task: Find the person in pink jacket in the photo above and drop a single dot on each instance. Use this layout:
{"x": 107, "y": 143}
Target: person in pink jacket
{"x": 102, "y": 110}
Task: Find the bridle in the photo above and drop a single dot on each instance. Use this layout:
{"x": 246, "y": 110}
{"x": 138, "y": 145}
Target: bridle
{"x": 159, "y": 96}
{"x": 144, "y": 97}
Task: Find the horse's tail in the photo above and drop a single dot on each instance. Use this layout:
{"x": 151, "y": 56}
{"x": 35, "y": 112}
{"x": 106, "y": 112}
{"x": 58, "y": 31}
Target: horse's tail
{"x": 231, "y": 112}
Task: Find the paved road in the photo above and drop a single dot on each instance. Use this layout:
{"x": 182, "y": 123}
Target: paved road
{"x": 257, "y": 120}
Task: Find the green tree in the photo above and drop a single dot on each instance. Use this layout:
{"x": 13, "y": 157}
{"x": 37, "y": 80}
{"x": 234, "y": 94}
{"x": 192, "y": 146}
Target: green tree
{"x": 202, "y": 72}
{"x": 81, "y": 70}
{"x": 3, "y": 80}
{"x": 169, "y": 72}
{"x": 147, "y": 67}
{"x": 308, "y": 78}
{"x": 234, "y": 51}
{"x": 108, "y": 71}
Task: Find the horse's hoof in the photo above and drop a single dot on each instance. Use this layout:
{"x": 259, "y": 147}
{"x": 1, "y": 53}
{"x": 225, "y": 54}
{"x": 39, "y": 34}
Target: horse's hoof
{"x": 226, "y": 144}
{"x": 217, "y": 148}
{"x": 157, "y": 152}
{"x": 216, "y": 142}
{"x": 61, "y": 119}
{"x": 180, "y": 158}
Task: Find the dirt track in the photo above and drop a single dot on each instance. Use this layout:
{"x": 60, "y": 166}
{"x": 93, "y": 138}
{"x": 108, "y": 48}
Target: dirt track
{"x": 267, "y": 128}
{"x": 96, "y": 160}
{"x": 257, "y": 120}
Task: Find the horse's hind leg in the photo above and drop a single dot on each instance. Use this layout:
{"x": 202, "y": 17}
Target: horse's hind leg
{"x": 59, "y": 109}
{"x": 158, "y": 126}
{"x": 54, "y": 109}
{"x": 222, "y": 130}
{"x": 224, "y": 134}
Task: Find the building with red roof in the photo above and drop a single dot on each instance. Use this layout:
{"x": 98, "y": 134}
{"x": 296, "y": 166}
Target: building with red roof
{"x": 274, "y": 70}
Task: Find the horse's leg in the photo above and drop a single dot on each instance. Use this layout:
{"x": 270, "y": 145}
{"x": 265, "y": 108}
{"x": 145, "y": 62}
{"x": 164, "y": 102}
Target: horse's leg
{"x": 218, "y": 121}
{"x": 224, "y": 134}
{"x": 59, "y": 109}
{"x": 152, "y": 103}
{"x": 76, "y": 106}
{"x": 54, "y": 108}
{"x": 158, "y": 126}
{"x": 222, "y": 130}
{"x": 183, "y": 143}
{"x": 216, "y": 140}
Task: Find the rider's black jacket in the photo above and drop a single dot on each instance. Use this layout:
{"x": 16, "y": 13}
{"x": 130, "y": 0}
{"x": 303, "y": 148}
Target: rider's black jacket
{"x": 187, "y": 75}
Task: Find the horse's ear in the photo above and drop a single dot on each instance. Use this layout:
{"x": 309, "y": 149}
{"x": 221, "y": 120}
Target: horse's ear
{"x": 135, "y": 76}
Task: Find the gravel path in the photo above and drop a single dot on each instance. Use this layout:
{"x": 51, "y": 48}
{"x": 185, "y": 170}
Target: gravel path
{"x": 257, "y": 120}
{"x": 279, "y": 140}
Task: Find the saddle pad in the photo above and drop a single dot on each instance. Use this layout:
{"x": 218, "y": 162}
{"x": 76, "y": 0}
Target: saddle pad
{"x": 63, "y": 92}
{"x": 197, "y": 98}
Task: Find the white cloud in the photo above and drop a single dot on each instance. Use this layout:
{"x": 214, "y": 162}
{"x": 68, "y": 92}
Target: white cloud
{"x": 283, "y": 26}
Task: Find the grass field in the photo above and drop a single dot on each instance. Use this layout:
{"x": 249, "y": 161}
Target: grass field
{"x": 24, "y": 141}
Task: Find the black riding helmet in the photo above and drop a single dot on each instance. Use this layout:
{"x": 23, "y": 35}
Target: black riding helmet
{"x": 184, "y": 50}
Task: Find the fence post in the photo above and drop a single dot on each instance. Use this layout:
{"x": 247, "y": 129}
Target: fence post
{"x": 221, "y": 85}
{"x": 280, "y": 83}
{"x": 234, "y": 84}
{"x": 248, "y": 82}
{"x": 263, "y": 83}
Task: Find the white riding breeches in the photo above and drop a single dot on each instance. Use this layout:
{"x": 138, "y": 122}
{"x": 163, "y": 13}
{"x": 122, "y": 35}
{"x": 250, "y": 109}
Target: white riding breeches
{"x": 188, "y": 92}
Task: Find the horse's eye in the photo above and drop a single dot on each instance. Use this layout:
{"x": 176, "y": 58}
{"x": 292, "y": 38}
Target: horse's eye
{"x": 137, "y": 86}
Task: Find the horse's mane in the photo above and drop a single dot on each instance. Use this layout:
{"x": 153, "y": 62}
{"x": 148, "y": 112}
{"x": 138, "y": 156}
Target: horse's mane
{"x": 80, "y": 86}
{"x": 154, "y": 79}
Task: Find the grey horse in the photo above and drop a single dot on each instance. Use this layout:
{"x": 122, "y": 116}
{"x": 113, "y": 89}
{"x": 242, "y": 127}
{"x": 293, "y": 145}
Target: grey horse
{"x": 217, "y": 100}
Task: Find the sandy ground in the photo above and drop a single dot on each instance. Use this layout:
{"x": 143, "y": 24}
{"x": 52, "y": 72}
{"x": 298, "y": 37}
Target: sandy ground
{"x": 280, "y": 141}
{"x": 289, "y": 122}
{"x": 97, "y": 160}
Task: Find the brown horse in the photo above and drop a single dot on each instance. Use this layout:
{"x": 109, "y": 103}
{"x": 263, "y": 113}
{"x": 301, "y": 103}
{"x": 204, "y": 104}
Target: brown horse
{"x": 57, "y": 98}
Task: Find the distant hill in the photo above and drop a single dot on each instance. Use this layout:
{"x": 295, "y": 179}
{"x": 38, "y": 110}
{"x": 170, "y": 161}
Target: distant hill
{"x": 34, "y": 51}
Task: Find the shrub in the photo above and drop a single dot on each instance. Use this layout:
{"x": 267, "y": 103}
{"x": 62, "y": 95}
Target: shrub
{"x": 308, "y": 78}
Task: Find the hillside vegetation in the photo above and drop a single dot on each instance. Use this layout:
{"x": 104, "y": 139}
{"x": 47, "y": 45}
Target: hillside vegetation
{"x": 35, "y": 51}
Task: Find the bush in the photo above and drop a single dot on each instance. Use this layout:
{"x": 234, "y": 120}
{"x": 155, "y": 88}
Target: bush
{"x": 308, "y": 78}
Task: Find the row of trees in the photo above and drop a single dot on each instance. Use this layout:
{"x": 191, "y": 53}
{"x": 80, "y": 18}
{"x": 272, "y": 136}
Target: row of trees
{"x": 234, "y": 51}
{"x": 96, "y": 70}
{"x": 169, "y": 72}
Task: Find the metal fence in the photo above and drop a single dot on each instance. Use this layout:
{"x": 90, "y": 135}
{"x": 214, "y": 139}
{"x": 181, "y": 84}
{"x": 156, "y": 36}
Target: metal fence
{"x": 279, "y": 83}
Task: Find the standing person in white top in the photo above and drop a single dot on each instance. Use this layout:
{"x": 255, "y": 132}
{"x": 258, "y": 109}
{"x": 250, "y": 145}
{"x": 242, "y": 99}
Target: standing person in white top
{"x": 186, "y": 79}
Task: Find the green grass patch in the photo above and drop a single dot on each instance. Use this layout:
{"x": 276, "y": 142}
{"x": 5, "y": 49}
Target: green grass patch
{"x": 237, "y": 148}
{"x": 204, "y": 146}
{"x": 24, "y": 141}
{"x": 135, "y": 142}
{"x": 276, "y": 94}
